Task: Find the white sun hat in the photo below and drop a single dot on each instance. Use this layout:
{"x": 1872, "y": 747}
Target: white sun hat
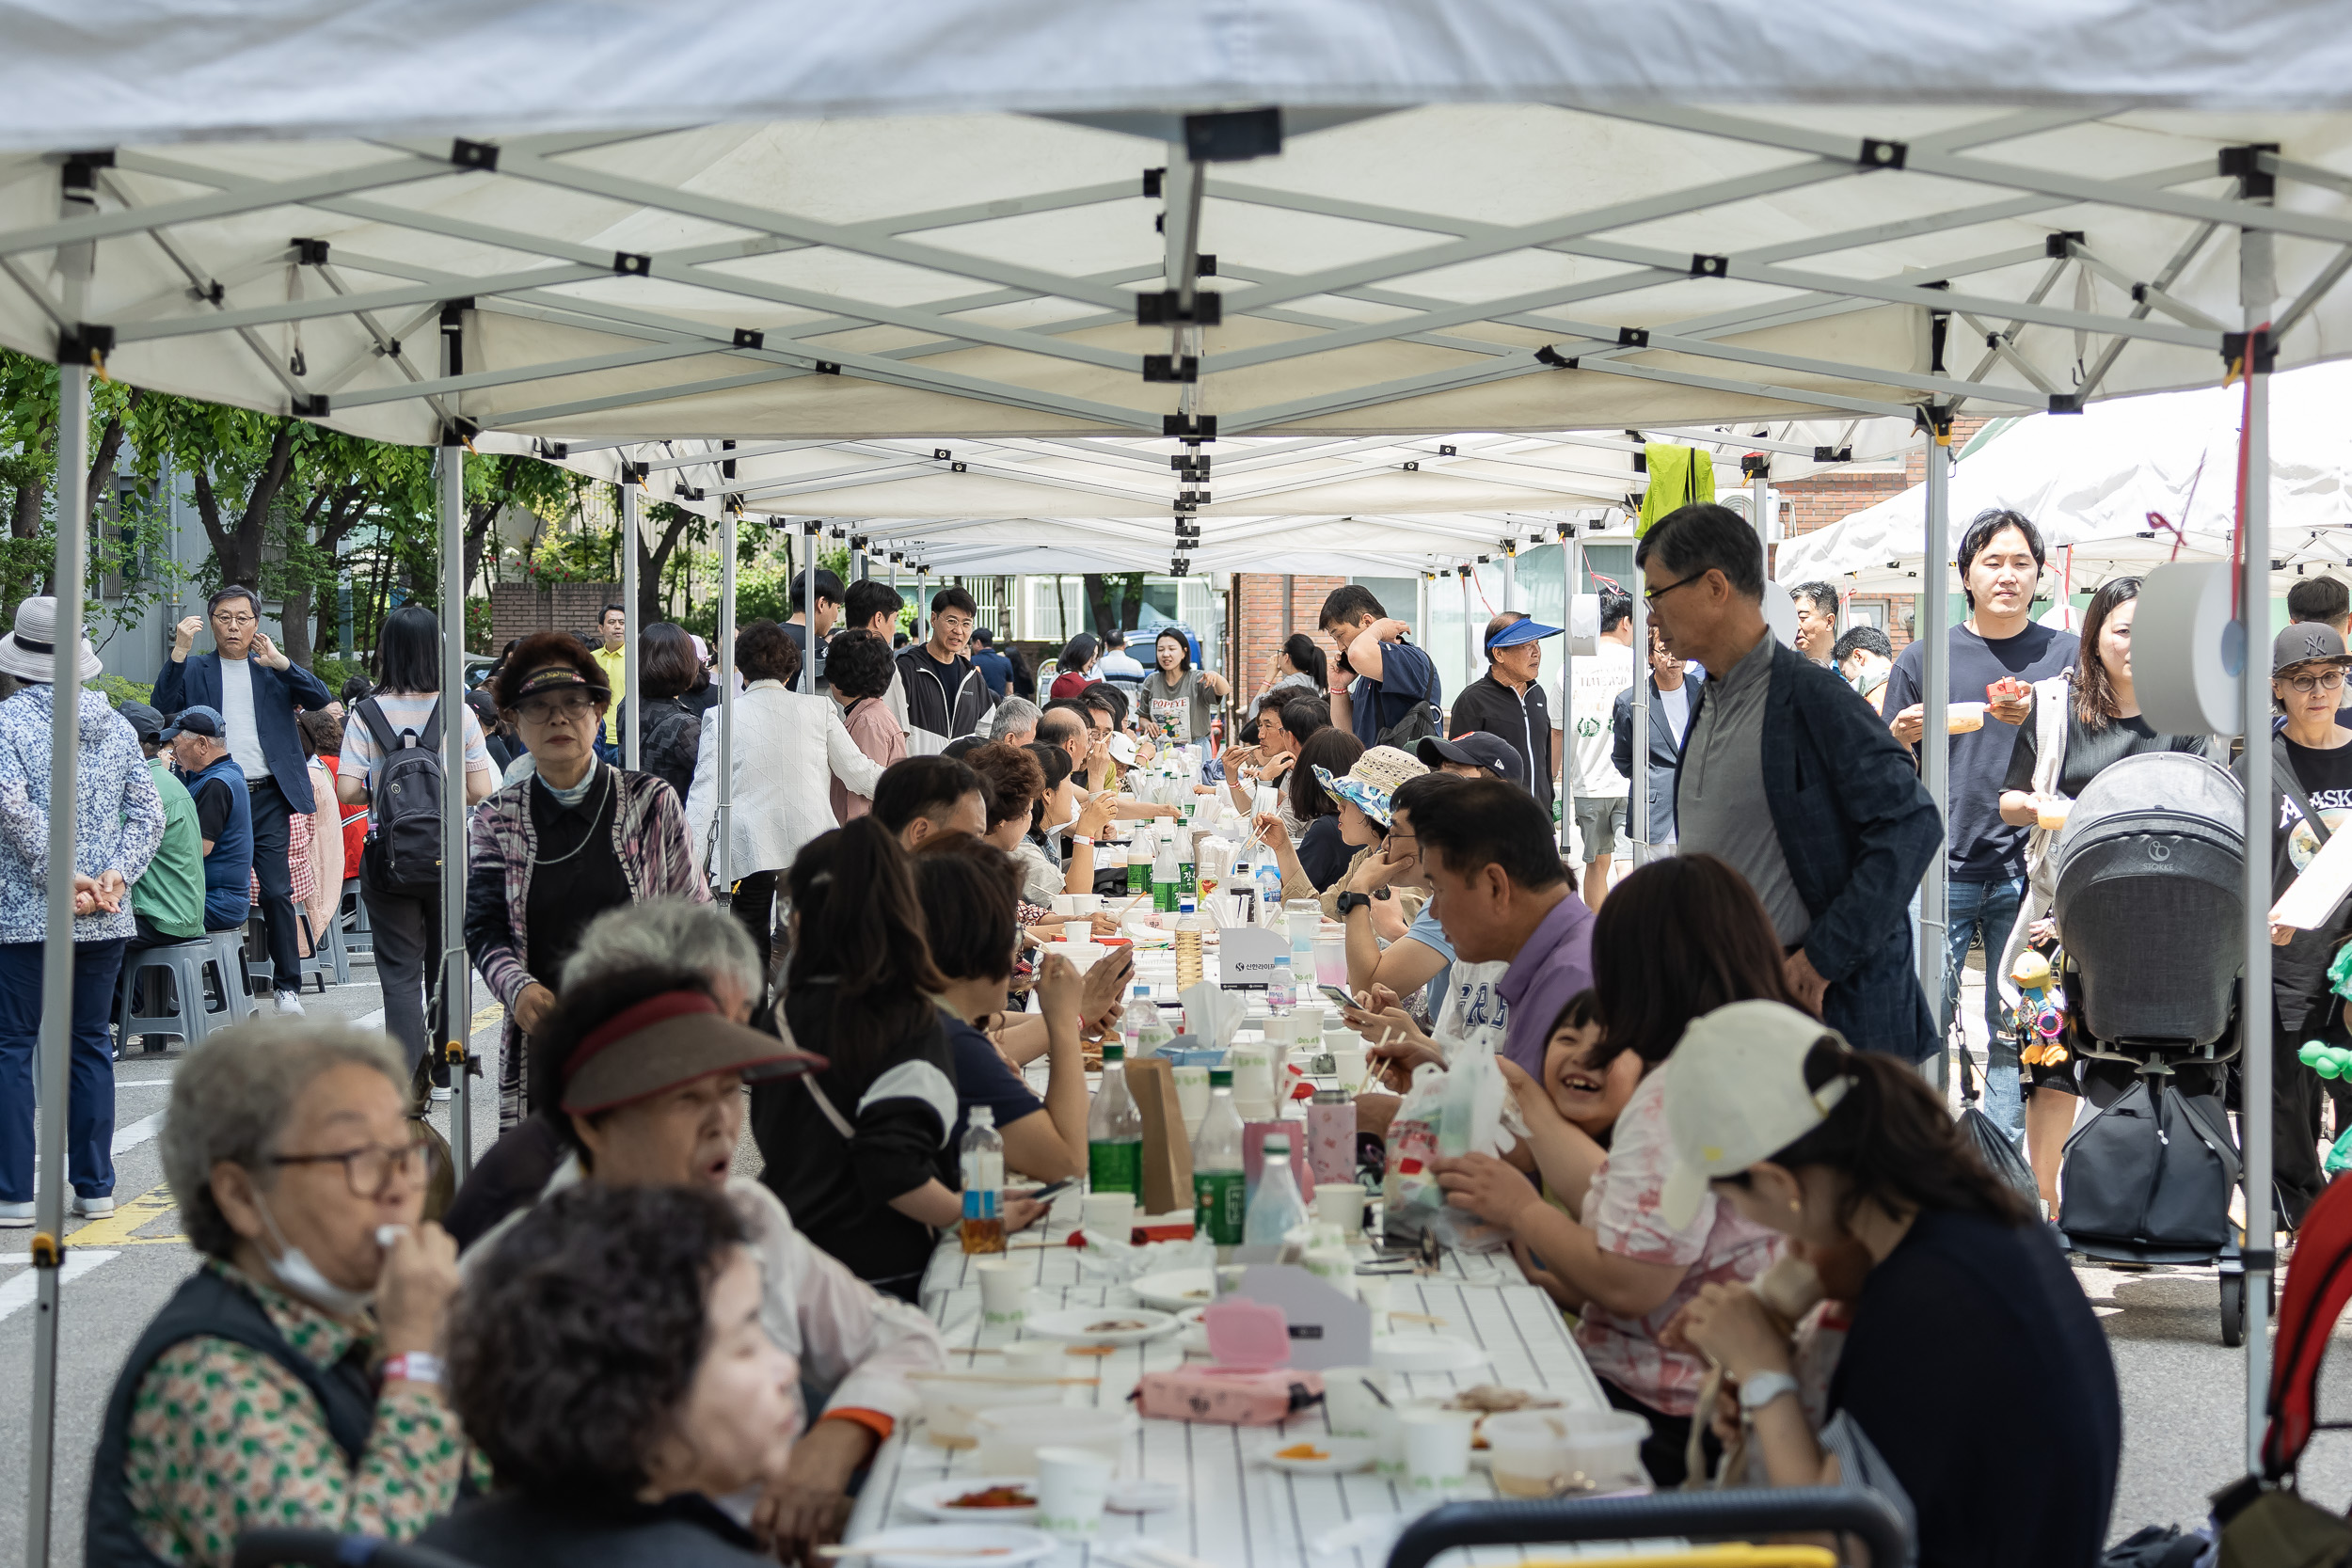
{"x": 29, "y": 653}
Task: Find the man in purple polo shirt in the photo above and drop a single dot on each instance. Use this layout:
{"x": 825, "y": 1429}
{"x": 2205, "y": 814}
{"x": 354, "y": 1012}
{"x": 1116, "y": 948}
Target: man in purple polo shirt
{"x": 1501, "y": 894}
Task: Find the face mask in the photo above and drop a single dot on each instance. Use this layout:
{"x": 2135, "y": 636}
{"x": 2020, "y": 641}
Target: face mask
{"x": 296, "y": 1273}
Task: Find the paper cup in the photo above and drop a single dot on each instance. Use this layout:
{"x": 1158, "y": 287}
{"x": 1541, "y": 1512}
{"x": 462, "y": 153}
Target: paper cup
{"x": 2050, "y": 813}
{"x": 1005, "y": 1292}
{"x": 1348, "y": 1066}
{"x": 1071, "y": 1487}
{"x": 1192, "y": 1093}
{"x": 1341, "y": 1203}
{"x": 1349, "y": 1403}
{"x": 1436, "y": 1449}
{"x": 1108, "y": 1216}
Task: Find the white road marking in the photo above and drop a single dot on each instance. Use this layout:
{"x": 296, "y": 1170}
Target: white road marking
{"x": 16, "y": 1292}
{"x": 135, "y": 1134}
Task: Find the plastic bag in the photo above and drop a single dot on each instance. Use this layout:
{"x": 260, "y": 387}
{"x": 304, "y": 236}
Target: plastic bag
{"x": 1446, "y": 1111}
{"x": 1477, "y": 1107}
{"x": 1115, "y": 1263}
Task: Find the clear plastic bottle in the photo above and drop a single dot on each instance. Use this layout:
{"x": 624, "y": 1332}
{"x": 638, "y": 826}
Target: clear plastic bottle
{"x": 1189, "y": 929}
{"x": 1164, "y": 878}
{"x": 1281, "y": 992}
{"x": 1187, "y": 862}
{"x": 1220, "y": 1199}
{"x": 1152, "y": 1031}
{"x": 1114, "y": 1132}
{"x": 1274, "y": 1207}
{"x": 1269, "y": 888}
{"x": 983, "y": 1161}
{"x": 1140, "y": 862}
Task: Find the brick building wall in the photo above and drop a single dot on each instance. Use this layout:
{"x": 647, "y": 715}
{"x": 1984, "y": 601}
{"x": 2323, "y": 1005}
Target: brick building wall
{"x": 1262, "y": 618}
{"x": 519, "y": 609}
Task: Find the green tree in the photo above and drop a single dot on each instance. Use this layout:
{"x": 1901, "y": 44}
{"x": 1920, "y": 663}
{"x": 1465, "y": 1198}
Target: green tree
{"x": 28, "y": 473}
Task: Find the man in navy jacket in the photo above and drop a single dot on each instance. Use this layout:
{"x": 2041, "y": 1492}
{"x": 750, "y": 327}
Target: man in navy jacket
{"x": 257, "y": 689}
{"x": 1793, "y": 780}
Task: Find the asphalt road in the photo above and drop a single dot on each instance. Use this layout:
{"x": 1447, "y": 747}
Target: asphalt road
{"x": 2183, "y": 1394}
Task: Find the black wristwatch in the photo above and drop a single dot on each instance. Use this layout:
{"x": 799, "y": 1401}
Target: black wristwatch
{"x": 1350, "y": 902}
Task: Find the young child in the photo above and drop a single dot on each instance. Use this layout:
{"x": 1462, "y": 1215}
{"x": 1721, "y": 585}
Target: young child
{"x": 1569, "y": 1116}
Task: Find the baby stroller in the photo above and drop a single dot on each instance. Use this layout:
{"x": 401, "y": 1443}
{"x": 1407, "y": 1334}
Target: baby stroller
{"x": 2149, "y": 904}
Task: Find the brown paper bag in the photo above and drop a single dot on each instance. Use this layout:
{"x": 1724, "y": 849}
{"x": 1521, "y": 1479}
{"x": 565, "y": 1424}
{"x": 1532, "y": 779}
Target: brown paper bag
{"x": 1166, "y": 1152}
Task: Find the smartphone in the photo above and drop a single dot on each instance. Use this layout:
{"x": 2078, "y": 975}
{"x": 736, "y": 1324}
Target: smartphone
{"x": 1047, "y": 1195}
{"x": 1339, "y": 996}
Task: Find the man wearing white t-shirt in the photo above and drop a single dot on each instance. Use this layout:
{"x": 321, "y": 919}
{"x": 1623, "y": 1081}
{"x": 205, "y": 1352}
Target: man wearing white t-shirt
{"x": 1601, "y": 791}
{"x": 257, "y": 691}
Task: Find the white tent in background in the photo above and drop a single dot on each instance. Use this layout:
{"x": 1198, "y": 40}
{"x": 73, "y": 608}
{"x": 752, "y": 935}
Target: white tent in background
{"x": 956, "y": 220}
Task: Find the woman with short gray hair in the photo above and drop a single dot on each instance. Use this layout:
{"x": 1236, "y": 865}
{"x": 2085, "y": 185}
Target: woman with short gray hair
{"x": 302, "y": 1180}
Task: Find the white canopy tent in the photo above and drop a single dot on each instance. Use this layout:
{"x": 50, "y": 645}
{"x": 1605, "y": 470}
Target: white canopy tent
{"x": 2092, "y": 484}
{"x": 436, "y": 223}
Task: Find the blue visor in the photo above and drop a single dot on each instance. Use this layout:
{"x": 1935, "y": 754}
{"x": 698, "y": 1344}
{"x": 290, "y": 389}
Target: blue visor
{"x": 1522, "y": 631}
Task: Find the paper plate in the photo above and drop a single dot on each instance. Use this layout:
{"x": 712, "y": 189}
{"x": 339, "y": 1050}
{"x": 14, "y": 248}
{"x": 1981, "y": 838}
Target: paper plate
{"x": 1341, "y": 1456}
{"x": 956, "y": 1547}
{"x": 1144, "y": 1496}
{"x": 935, "y": 1500}
{"x": 1176, "y": 1290}
{"x": 1426, "y": 1353}
{"x": 1077, "y": 1323}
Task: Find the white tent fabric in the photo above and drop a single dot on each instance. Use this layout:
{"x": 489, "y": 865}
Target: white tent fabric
{"x": 1501, "y": 267}
{"x": 2090, "y": 483}
{"x": 313, "y": 67}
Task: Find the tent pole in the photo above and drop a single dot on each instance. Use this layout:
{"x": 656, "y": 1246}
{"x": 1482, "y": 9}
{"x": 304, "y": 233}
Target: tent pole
{"x": 808, "y": 606}
{"x": 56, "y": 978}
{"x": 1935, "y": 699}
{"x": 631, "y": 542}
{"x": 1510, "y": 572}
{"x": 1470, "y": 636}
{"x": 456, "y": 1004}
{"x": 1637, "y": 787}
{"x": 1568, "y": 548}
{"x": 2255, "y": 291}
{"x": 726, "y": 695}
{"x": 1759, "y": 499}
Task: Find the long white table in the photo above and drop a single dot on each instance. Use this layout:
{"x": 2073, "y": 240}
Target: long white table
{"x": 1238, "y": 1512}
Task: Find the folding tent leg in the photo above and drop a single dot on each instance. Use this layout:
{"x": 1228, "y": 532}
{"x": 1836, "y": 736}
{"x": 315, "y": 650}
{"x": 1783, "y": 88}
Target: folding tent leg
{"x": 2254, "y": 1010}
{"x": 1567, "y": 689}
{"x": 808, "y": 606}
{"x": 730, "y": 516}
{"x": 631, "y": 542}
{"x": 1638, "y": 827}
{"x": 456, "y": 999}
{"x": 56, "y": 979}
{"x": 1935, "y": 699}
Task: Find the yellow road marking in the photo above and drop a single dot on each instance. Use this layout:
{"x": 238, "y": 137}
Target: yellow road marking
{"x": 116, "y": 1229}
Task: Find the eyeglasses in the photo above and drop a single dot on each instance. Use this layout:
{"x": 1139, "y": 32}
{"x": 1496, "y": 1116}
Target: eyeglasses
{"x": 2306, "y": 684}
{"x": 1654, "y": 595}
{"x": 234, "y": 621}
{"x": 370, "y": 1169}
{"x": 545, "y": 710}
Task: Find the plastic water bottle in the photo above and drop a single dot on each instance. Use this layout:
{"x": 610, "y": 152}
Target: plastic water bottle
{"x": 1220, "y": 1199}
{"x": 1164, "y": 878}
{"x": 1269, "y": 889}
{"x": 1114, "y": 1132}
{"x": 1152, "y": 1032}
{"x": 983, "y": 1159}
{"x": 1274, "y": 1207}
{"x": 1281, "y": 992}
{"x": 1187, "y": 862}
{"x": 1189, "y": 929}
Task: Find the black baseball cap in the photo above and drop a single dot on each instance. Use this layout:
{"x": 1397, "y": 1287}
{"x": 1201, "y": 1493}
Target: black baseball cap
{"x": 2306, "y": 643}
{"x": 199, "y": 719}
{"x": 1478, "y": 749}
{"x": 145, "y": 721}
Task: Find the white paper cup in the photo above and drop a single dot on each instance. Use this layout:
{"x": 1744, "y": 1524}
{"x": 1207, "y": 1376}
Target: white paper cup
{"x": 1071, "y": 1487}
{"x": 1108, "y": 1216}
{"x": 1349, "y": 1403}
{"x": 1341, "y": 1203}
{"x": 1347, "y": 1067}
{"x": 1005, "y": 1292}
{"x": 1436, "y": 1449}
{"x": 1192, "y": 1093}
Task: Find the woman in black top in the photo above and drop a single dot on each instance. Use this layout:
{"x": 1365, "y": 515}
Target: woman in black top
{"x": 613, "y": 1371}
{"x": 669, "y": 727}
{"x": 2103, "y": 727}
{"x": 2003, "y": 1441}
{"x": 860, "y": 1153}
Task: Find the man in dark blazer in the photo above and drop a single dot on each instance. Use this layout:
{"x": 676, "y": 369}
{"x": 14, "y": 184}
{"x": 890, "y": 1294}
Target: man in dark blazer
{"x": 258, "y": 690}
{"x": 1674, "y": 687}
{"x": 1790, "y": 777}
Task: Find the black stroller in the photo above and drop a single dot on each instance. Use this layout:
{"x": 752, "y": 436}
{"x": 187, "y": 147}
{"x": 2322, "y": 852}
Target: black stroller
{"x": 2150, "y": 909}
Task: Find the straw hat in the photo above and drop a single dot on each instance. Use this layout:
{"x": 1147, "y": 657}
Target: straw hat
{"x": 1373, "y": 780}
{"x": 29, "y": 653}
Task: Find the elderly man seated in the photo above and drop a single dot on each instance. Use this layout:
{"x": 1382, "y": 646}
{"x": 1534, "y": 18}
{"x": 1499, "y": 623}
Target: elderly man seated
{"x": 265, "y": 1392}
{"x": 646, "y": 1072}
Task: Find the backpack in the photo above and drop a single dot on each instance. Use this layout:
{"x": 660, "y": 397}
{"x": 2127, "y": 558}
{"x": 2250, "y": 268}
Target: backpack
{"x": 1420, "y": 721}
{"x": 2151, "y": 1173}
{"x": 404, "y": 847}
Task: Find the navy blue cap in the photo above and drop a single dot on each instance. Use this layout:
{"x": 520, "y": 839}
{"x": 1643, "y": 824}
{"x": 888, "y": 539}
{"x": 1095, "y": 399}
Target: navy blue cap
{"x": 1478, "y": 749}
{"x": 1522, "y": 631}
{"x": 199, "y": 719}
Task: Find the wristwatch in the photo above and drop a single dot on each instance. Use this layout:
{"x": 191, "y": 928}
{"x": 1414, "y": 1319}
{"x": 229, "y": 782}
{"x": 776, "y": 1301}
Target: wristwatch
{"x": 1350, "y": 902}
{"x": 1762, "y": 1389}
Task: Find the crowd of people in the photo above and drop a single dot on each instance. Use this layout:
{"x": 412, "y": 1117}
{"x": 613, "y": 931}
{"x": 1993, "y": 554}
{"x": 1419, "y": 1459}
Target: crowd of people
{"x": 606, "y": 1340}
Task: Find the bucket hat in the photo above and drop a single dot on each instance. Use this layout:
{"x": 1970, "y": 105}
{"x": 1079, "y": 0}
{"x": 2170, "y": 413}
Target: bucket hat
{"x": 1375, "y": 778}
{"x": 29, "y": 653}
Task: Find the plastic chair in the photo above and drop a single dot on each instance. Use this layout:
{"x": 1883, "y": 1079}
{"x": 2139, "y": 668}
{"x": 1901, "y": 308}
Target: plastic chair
{"x": 185, "y": 962}
{"x": 258, "y": 964}
{"x": 1657, "y": 1517}
{"x": 329, "y": 955}
{"x": 362, "y": 936}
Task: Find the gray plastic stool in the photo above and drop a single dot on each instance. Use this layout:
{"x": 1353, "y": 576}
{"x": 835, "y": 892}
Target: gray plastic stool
{"x": 186, "y": 963}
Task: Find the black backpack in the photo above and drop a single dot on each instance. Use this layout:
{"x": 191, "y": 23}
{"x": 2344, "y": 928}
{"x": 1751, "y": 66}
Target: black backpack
{"x": 404, "y": 847}
{"x": 2153, "y": 1173}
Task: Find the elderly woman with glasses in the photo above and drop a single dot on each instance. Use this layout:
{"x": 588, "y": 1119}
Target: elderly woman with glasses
{"x": 550, "y": 852}
{"x": 266, "y": 1392}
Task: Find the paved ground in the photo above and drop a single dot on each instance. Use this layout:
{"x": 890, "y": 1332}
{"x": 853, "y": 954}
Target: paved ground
{"x": 2184, "y": 1395}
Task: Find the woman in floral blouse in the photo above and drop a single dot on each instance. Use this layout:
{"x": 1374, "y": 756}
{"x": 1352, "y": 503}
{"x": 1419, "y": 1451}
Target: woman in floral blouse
{"x": 266, "y": 1392}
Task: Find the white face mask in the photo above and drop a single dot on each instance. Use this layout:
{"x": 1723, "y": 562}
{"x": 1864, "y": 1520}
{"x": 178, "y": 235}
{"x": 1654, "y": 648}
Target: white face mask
{"x": 296, "y": 1273}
